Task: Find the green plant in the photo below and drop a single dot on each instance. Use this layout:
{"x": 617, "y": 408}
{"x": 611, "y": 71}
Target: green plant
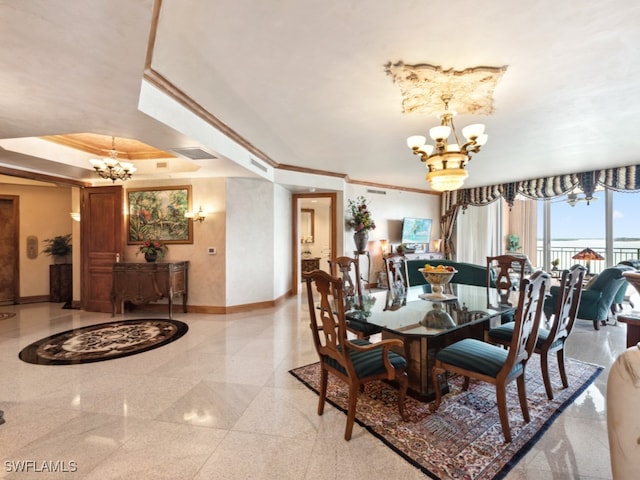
{"x": 360, "y": 215}
{"x": 555, "y": 263}
{"x": 153, "y": 247}
{"x": 513, "y": 242}
{"x": 59, "y": 246}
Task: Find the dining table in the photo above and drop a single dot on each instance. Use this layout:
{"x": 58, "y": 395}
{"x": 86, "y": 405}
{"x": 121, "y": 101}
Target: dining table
{"x": 426, "y": 323}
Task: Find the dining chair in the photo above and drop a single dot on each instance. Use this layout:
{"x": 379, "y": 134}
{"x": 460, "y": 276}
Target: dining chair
{"x": 348, "y": 269}
{"x": 356, "y": 362}
{"x": 490, "y": 363}
{"x": 397, "y": 281}
{"x": 553, "y": 339}
{"x": 507, "y": 271}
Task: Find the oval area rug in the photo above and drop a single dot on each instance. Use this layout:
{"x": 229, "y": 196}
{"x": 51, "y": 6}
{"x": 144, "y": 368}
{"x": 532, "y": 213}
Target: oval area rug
{"x": 104, "y": 341}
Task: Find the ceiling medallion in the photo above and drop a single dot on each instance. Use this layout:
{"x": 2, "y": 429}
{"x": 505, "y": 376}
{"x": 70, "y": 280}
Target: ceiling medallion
{"x": 422, "y": 87}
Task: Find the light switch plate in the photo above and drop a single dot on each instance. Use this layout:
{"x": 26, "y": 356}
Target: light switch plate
{"x": 212, "y": 250}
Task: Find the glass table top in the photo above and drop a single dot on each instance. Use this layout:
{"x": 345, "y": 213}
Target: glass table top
{"x": 425, "y": 315}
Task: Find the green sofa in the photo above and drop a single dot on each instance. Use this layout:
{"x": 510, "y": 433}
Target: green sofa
{"x": 468, "y": 273}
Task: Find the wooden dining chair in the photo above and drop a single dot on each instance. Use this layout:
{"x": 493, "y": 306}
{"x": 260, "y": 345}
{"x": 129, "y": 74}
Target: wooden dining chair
{"x": 490, "y": 363}
{"x": 553, "y": 339}
{"x": 500, "y": 269}
{"x": 348, "y": 269}
{"x": 355, "y": 362}
{"x": 397, "y": 281}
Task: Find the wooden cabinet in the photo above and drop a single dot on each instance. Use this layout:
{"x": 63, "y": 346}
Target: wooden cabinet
{"x": 60, "y": 283}
{"x": 141, "y": 283}
{"x": 310, "y": 264}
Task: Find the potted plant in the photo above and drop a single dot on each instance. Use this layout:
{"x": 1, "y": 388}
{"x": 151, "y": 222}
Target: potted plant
{"x": 361, "y": 222}
{"x": 59, "y": 248}
{"x": 555, "y": 263}
{"x": 152, "y": 250}
{"x": 513, "y": 243}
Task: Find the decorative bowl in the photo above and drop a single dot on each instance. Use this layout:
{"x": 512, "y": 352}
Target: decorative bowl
{"x": 437, "y": 279}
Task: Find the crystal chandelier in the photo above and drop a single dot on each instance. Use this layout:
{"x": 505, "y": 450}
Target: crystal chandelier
{"x": 111, "y": 168}
{"x": 446, "y": 160}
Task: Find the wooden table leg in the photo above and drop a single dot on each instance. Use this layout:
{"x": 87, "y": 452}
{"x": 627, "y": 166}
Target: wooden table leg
{"x": 633, "y": 328}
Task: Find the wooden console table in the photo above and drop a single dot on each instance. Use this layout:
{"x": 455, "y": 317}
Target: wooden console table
{"x": 310, "y": 264}
{"x": 141, "y": 283}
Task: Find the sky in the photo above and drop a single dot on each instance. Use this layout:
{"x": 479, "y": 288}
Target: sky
{"x": 588, "y": 221}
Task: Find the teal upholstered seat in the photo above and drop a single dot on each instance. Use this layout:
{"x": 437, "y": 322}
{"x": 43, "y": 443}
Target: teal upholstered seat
{"x": 369, "y": 362}
{"x": 473, "y": 358}
{"x": 553, "y": 339}
{"x": 468, "y": 273}
{"x": 355, "y": 362}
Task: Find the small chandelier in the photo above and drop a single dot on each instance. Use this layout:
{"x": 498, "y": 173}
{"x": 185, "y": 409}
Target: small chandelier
{"x": 111, "y": 168}
{"x": 446, "y": 160}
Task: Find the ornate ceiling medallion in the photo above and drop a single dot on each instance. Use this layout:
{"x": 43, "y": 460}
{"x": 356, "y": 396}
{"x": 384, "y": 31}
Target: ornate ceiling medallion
{"x": 422, "y": 87}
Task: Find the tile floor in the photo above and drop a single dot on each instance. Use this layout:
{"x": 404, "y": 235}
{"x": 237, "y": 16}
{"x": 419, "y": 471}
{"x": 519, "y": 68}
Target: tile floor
{"x": 220, "y": 403}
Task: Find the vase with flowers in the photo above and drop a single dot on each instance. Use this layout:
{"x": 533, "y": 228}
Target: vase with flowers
{"x": 361, "y": 222}
{"x": 152, "y": 250}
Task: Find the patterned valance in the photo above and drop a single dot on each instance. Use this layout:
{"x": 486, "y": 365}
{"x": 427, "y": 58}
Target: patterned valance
{"x": 620, "y": 179}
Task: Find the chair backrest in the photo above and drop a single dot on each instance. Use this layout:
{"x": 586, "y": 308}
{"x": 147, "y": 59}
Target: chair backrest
{"x": 568, "y": 301}
{"x": 326, "y": 312}
{"x": 527, "y": 320}
{"x": 348, "y": 270}
{"x": 397, "y": 280}
{"x": 506, "y": 276}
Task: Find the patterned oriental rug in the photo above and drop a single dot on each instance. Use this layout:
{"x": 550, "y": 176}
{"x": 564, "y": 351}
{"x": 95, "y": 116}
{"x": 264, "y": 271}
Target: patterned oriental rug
{"x": 463, "y": 438}
{"x": 104, "y": 341}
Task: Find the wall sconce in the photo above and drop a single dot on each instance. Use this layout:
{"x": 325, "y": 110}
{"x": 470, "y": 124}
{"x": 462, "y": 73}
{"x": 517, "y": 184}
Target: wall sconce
{"x": 75, "y": 216}
{"x": 198, "y": 216}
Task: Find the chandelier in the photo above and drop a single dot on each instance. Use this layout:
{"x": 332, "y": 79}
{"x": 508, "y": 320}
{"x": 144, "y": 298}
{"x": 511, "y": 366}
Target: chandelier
{"x": 446, "y": 160}
{"x": 111, "y": 168}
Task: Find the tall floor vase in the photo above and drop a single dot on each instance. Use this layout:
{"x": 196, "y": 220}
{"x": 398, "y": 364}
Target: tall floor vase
{"x": 361, "y": 238}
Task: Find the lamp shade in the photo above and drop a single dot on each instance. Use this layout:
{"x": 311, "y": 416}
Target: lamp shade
{"x": 587, "y": 254}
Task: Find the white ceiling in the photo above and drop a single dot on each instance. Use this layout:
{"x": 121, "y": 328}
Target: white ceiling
{"x": 304, "y": 81}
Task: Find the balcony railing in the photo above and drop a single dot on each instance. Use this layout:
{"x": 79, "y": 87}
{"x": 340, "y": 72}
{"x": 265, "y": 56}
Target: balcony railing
{"x": 565, "y": 255}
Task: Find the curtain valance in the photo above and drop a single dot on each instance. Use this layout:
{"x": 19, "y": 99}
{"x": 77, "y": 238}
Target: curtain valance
{"x": 620, "y": 179}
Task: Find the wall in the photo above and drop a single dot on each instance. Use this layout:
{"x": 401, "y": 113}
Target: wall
{"x": 207, "y": 272}
{"x": 44, "y": 212}
{"x": 250, "y": 240}
{"x": 388, "y": 210}
{"x": 282, "y": 230}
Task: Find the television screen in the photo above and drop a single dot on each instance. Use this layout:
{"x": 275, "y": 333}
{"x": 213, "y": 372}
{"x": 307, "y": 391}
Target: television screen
{"x": 416, "y": 230}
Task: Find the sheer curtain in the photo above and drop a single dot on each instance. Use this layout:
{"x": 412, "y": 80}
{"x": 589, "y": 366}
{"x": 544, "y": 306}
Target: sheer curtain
{"x": 478, "y": 233}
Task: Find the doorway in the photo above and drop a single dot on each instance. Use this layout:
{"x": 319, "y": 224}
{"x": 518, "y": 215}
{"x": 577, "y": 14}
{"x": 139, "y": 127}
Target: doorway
{"x": 9, "y": 244}
{"x": 314, "y": 239}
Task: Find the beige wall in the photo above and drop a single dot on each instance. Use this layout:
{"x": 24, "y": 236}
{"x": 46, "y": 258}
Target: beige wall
{"x": 249, "y": 223}
{"x": 44, "y": 212}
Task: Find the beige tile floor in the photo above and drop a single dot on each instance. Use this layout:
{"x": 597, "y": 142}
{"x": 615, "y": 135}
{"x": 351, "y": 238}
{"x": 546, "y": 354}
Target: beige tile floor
{"x": 220, "y": 403}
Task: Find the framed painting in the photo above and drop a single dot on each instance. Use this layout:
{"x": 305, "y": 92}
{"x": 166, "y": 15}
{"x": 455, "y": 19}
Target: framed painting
{"x": 158, "y": 214}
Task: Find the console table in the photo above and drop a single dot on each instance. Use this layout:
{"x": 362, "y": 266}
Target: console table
{"x": 141, "y": 283}
{"x": 310, "y": 264}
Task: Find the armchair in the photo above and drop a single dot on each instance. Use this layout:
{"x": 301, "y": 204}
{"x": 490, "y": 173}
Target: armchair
{"x": 355, "y": 362}
{"x": 597, "y": 296}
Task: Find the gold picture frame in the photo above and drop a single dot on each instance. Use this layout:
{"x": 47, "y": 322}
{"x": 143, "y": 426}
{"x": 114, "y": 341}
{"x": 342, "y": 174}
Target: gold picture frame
{"x": 158, "y": 214}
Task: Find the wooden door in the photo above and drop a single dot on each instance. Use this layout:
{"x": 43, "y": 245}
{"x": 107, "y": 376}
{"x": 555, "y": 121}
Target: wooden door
{"x": 101, "y": 231}
{"x": 9, "y": 285}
